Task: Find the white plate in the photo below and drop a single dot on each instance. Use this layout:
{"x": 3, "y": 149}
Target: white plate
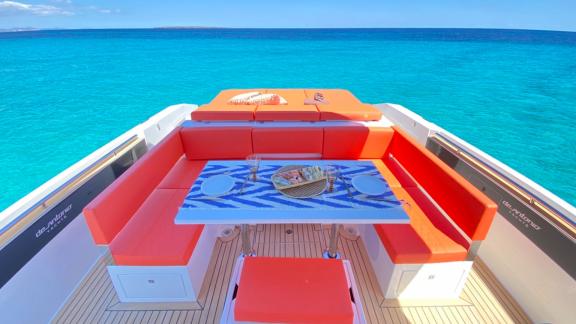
{"x": 369, "y": 185}
{"x": 217, "y": 185}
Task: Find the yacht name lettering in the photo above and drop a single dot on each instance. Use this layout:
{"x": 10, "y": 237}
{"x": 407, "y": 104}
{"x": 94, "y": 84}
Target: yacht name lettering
{"x": 54, "y": 221}
{"x": 520, "y": 216}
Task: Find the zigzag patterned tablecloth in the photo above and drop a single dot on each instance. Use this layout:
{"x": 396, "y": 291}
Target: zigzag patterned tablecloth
{"x": 260, "y": 202}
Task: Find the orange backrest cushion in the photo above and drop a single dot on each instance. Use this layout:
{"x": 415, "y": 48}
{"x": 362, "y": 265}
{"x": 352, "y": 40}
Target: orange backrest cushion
{"x": 356, "y": 142}
{"x": 217, "y": 143}
{"x": 239, "y": 112}
{"x": 107, "y": 214}
{"x": 467, "y": 206}
{"x": 288, "y": 140}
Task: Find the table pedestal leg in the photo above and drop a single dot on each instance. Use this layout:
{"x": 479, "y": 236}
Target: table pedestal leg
{"x": 246, "y": 244}
{"x": 332, "y": 252}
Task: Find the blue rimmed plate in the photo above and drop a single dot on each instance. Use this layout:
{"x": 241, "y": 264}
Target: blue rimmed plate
{"x": 217, "y": 185}
{"x": 369, "y": 185}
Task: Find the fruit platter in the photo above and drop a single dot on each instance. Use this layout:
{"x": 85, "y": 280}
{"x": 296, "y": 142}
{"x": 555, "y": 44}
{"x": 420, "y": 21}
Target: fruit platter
{"x": 300, "y": 181}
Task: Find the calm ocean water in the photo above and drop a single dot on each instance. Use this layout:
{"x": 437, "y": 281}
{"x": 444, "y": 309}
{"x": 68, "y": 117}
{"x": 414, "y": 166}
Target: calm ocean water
{"x": 63, "y": 94}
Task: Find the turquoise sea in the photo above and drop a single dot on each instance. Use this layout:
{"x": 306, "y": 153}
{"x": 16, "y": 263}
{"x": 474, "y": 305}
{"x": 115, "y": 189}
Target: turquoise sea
{"x": 63, "y": 93}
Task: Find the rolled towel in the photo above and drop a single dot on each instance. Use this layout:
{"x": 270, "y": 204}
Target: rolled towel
{"x": 318, "y": 99}
{"x": 267, "y": 99}
{"x": 243, "y": 98}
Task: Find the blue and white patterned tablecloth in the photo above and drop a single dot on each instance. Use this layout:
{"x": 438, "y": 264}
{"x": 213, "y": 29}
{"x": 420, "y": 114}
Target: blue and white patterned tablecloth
{"x": 261, "y": 203}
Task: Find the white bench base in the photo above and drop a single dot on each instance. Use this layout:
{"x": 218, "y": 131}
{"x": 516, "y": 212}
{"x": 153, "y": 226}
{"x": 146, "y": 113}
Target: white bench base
{"x": 166, "y": 283}
{"x": 443, "y": 280}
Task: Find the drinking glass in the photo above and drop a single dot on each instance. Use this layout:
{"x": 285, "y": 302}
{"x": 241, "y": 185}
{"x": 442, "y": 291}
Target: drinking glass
{"x": 253, "y": 161}
{"x": 331, "y": 173}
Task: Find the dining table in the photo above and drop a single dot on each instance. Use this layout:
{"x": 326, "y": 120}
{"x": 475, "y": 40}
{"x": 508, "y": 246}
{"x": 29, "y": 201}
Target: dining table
{"x": 251, "y": 198}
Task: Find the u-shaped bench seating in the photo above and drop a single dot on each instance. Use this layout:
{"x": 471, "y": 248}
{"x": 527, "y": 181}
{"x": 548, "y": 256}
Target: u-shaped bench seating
{"x": 135, "y": 215}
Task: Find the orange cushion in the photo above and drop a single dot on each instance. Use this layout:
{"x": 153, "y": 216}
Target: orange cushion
{"x": 467, "y": 206}
{"x": 356, "y": 142}
{"x": 183, "y": 174}
{"x": 362, "y": 112}
{"x": 406, "y": 180}
{"x": 152, "y": 238}
{"x": 419, "y": 241}
{"x": 343, "y": 105}
{"x": 236, "y": 112}
{"x": 295, "y": 110}
{"x": 288, "y": 140}
{"x": 220, "y": 109}
{"x": 436, "y": 217}
{"x": 217, "y": 143}
{"x": 293, "y": 290}
{"x": 107, "y": 214}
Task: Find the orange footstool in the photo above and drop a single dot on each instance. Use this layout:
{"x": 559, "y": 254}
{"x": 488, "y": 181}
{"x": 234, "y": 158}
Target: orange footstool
{"x": 293, "y": 290}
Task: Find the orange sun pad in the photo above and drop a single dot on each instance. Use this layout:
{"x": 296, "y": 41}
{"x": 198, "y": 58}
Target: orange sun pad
{"x": 341, "y": 105}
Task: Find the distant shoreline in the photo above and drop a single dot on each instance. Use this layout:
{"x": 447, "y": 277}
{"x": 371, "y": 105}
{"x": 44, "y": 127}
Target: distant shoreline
{"x": 30, "y": 29}
{"x": 186, "y": 27}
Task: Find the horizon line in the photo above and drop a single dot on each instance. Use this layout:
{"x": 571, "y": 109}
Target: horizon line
{"x": 31, "y": 29}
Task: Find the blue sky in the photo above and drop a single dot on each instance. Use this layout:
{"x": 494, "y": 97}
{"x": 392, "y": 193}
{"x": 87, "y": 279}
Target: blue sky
{"x": 522, "y": 14}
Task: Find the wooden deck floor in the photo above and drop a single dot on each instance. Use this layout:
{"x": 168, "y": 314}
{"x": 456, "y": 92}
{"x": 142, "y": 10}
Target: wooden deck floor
{"x": 483, "y": 300}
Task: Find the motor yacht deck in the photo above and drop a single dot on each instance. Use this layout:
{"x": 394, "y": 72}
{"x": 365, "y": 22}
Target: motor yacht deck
{"x": 293, "y": 206}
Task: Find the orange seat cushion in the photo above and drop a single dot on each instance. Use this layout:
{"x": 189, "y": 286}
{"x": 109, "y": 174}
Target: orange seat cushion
{"x": 294, "y": 110}
{"x": 217, "y": 143}
{"x": 419, "y": 241}
{"x": 343, "y": 105}
{"x": 293, "y": 290}
{"x": 356, "y": 142}
{"x": 288, "y": 140}
{"x": 107, "y": 214}
{"x": 467, "y": 206}
{"x": 182, "y": 174}
{"x": 151, "y": 238}
{"x": 220, "y": 109}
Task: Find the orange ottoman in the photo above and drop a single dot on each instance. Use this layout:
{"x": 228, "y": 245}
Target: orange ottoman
{"x": 293, "y": 290}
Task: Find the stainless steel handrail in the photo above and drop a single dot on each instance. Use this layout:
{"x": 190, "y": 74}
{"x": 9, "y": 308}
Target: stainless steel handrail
{"x": 552, "y": 215}
{"x": 29, "y": 216}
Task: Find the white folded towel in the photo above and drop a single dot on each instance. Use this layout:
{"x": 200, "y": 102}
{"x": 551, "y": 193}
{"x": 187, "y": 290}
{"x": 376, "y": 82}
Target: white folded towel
{"x": 267, "y": 99}
{"x": 243, "y": 98}
{"x": 257, "y": 98}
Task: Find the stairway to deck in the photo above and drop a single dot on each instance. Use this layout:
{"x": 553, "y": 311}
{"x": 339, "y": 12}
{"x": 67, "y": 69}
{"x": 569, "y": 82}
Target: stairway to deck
{"x": 483, "y": 300}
